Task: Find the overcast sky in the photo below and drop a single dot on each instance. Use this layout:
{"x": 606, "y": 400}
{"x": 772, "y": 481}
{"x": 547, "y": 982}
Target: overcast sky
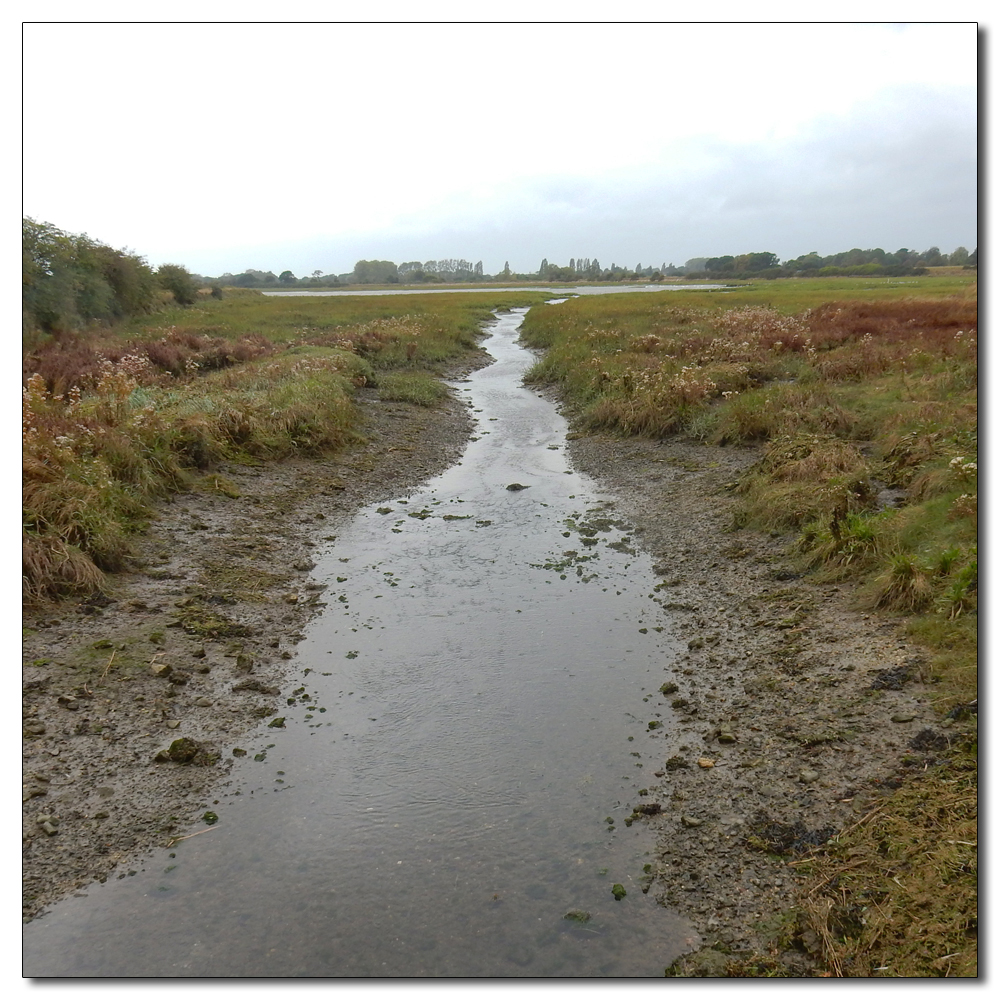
{"x": 274, "y": 146}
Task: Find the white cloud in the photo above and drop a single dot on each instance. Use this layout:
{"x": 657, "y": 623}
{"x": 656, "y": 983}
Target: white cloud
{"x": 240, "y": 142}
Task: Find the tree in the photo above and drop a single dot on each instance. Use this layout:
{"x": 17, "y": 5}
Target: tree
{"x": 375, "y": 272}
{"x": 959, "y": 257}
{"x": 71, "y": 280}
{"x": 544, "y": 269}
{"x": 179, "y": 281}
{"x": 287, "y": 278}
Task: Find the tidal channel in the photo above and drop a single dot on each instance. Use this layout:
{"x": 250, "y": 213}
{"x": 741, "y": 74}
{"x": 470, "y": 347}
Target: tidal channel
{"x": 466, "y": 733}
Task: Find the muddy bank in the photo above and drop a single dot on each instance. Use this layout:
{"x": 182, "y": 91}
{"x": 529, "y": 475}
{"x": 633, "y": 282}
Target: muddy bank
{"x": 194, "y": 643}
{"x": 794, "y": 713}
{"x": 785, "y": 691}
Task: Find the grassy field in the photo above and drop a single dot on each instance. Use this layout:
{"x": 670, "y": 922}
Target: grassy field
{"x": 861, "y": 398}
{"x": 113, "y": 419}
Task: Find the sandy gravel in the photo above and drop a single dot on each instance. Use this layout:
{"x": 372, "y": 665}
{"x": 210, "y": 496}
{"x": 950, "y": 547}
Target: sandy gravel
{"x": 775, "y": 691}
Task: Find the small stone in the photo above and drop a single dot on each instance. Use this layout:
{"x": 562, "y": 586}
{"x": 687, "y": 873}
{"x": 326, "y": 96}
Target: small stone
{"x": 173, "y": 723}
{"x": 303, "y": 565}
{"x": 618, "y": 891}
{"x": 34, "y": 728}
{"x": 903, "y": 717}
{"x": 580, "y": 916}
{"x": 180, "y": 677}
{"x": 49, "y": 829}
{"x": 244, "y": 662}
{"x": 161, "y": 669}
{"x": 239, "y": 752}
{"x": 726, "y": 736}
{"x": 514, "y": 487}
{"x": 278, "y": 723}
{"x": 808, "y": 776}
{"x": 203, "y": 702}
{"x": 705, "y": 762}
{"x": 291, "y": 598}
{"x": 691, "y": 821}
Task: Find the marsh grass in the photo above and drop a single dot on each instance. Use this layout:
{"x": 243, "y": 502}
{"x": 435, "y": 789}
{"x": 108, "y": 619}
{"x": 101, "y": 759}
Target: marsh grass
{"x": 846, "y": 395}
{"x": 850, "y": 390}
{"x": 114, "y": 420}
{"x": 418, "y": 388}
{"x": 895, "y": 896}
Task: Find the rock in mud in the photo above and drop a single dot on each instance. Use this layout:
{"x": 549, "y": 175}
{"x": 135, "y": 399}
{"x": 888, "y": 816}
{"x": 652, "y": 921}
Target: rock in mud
{"x": 647, "y": 808}
{"x": 161, "y": 669}
{"x": 181, "y": 751}
{"x": 691, "y": 821}
{"x": 580, "y": 916}
{"x": 618, "y": 891}
{"x": 254, "y": 685}
{"x": 514, "y": 487}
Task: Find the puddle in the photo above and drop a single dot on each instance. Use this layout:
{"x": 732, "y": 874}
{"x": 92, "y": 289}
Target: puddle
{"x": 465, "y": 738}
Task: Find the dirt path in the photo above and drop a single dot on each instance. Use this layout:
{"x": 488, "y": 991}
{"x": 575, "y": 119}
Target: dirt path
{"x": 787, "y": 691}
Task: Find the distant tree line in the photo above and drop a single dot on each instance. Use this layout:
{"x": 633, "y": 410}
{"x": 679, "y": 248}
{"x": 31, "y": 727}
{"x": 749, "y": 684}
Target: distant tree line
{"x": 749, "y": 265}
{"x": 849, "y": 262}
{"x": 70, "y": 281}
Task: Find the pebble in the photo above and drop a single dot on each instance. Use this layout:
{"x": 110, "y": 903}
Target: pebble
{"x": 691, "y": 821}
{"x": 203, "y": 702}
{"x": 808, "y": 776}
{"x": 903, "y": 717}
{"x": 173, "y": 723}
{"x": 161, "y": 669}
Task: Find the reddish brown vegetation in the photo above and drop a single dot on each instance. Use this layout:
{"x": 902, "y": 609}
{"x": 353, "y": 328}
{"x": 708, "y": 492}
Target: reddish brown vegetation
{"x": 76, "y": 360}
{"x": 934, "y": 322}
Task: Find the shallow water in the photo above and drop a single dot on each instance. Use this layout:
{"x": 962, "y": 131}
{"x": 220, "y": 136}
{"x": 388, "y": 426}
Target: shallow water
{"x": 468, "y": 713}
{"x": 572, "y": 290}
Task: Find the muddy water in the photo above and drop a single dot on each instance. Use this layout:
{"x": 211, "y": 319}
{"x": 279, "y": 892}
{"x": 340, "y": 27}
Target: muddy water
{"x": 467, "y": 717}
